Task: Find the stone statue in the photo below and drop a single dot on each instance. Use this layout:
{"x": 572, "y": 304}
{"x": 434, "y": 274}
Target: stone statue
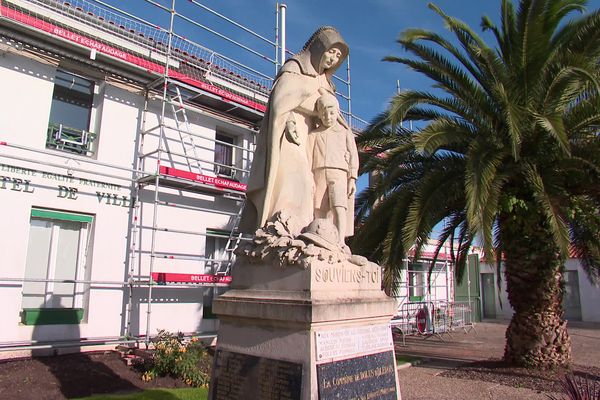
{"x": 281, "y": 179}
{"x": 334, "y": 162}
{"x": 298, "y": 297}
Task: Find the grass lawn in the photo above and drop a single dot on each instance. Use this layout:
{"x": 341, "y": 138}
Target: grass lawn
{"x": 157, "y": 394}
{"x": 401, "y": 359}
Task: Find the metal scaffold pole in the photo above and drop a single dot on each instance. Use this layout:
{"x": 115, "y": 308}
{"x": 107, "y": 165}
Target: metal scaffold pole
{"x": 349, "y": 92}
{"x": 282, "y": 10}
{"x": 134, "y": 233}
{"x": 161, "y": 141}
{"x": 277, "y": 64}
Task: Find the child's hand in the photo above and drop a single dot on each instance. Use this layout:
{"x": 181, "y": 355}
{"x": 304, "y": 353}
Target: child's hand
{"x": 351, "y": 187}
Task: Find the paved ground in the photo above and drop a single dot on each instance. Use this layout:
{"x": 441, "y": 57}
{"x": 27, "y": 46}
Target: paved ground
{"x": 485, "y": 341}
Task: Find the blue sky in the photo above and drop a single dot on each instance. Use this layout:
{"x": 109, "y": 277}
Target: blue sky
{"x": 370, "y": 28}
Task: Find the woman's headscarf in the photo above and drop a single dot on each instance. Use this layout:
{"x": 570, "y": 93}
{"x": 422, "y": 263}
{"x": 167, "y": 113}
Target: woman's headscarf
{"x": 309, "y": 58}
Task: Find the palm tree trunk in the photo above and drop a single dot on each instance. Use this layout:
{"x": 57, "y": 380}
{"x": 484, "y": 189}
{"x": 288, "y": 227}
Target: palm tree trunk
{"x": 537, "y": 335}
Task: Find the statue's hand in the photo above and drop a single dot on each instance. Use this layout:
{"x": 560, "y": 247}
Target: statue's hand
{"x": 351, "y": 187}
{"x": 290, "y": 132}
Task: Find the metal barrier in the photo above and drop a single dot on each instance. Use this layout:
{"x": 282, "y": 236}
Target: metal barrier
{"x": 462, "y": 316}
{"x": 431, "y": 318}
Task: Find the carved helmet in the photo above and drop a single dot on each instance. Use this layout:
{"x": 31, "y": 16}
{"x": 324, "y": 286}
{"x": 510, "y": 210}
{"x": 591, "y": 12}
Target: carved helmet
{"x": 323, "y": 233}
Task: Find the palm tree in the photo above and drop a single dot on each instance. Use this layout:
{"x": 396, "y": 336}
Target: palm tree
{"x": 507, "y": 152}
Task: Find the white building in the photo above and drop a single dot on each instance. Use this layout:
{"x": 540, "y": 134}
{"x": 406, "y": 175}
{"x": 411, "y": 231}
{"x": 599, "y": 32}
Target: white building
{"x": 124, "y": 152}
{"x": 580, "y": 301}
{"x": 420, "y": 283}
{"x": 430, "y": 299}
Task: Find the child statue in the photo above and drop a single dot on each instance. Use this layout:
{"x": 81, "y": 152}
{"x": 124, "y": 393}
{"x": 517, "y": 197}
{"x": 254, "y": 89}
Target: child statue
{"x": 334, "y": 161}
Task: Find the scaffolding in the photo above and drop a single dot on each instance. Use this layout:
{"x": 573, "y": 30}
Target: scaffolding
{"x": 426, "y": 300}
{"x": 180, "y": 78}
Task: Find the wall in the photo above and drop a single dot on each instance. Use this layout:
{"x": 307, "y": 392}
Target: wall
{"x": 45, "y": 182}
{"x": 589, "y": 293}
{"x": 25, "y": 101}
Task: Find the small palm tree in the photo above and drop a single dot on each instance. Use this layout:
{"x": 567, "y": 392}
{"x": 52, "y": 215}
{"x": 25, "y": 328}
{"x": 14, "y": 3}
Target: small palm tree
{"x": 507, "y": 151}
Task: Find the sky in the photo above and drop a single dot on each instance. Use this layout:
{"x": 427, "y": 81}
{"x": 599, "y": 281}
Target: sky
{"x": 370, "y": 27}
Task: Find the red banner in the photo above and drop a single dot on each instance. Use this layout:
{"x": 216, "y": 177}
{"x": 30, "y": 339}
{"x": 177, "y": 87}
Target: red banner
{"x": 209, "y": 180}
{"x": 164, "y": 277}
{"x": 120, "y": 54}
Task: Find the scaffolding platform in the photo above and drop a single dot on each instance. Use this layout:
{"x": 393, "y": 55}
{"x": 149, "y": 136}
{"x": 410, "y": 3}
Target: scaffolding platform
{"x": 193, "y": 182}
{"x": 200, "y": 279}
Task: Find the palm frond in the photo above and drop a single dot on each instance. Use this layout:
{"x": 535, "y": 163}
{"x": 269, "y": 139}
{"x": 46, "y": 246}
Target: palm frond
{"x": 509, "y": 131}
{"x": 442, "y": 133}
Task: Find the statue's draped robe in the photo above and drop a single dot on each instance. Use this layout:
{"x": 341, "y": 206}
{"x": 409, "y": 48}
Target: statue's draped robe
{"x": 281, "y": 178}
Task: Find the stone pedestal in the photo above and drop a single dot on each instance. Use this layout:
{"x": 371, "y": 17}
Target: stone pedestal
{"x": 294, "y": 333}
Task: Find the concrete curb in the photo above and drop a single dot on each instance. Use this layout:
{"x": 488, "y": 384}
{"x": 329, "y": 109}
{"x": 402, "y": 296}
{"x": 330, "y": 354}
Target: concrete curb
{"x": 403, "y": 366}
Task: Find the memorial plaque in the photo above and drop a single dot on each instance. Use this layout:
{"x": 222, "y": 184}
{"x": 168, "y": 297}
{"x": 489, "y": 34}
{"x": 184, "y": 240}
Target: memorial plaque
{"x": 371, "y": 377}
{"x": 348, "y": 342}
{"x": 238, "y": 376}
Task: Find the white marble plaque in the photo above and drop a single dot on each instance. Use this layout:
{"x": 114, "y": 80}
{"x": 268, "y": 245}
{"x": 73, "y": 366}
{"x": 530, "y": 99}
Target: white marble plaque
{"x": 347, "y": 342}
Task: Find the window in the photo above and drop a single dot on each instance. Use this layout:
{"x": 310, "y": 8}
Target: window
{"x": 70, "y": 114}
{"x": 224, "y": 156}
{"x": 216, "y": 250}
{"x": 57, "y": 250}
{"x": 416, "y": 281}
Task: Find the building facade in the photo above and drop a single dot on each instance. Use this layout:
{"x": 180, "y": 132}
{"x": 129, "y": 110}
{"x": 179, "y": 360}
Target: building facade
{"x": 580, "y": 300}
{"x": 124, "y": 152}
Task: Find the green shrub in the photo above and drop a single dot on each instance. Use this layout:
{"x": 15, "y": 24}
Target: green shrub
{"x": 175, "y": 357}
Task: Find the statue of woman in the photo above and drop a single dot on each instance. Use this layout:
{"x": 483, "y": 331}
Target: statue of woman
{"x": 281, "y": 177}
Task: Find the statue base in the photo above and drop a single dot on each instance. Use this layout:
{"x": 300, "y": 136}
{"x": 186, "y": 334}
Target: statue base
{"x": 304, "y": 333}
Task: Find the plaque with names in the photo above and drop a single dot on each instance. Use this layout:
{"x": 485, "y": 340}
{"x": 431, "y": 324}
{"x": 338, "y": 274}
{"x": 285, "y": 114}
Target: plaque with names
{"x": 238, "y": 376}
{"x": 347, "y": 342}
{"x": 370, "y": 377}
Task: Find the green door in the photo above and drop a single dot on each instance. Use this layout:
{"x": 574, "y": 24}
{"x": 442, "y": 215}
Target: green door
{"x": 571, "y": 300}
{"x": 488, "y": 293}
{"x": 467, "y": 291}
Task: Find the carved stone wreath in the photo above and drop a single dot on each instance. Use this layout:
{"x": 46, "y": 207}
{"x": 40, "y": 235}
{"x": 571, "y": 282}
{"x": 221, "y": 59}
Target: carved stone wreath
{"x": 274, "y": 242}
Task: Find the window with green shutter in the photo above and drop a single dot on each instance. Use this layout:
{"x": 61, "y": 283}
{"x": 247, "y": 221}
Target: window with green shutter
{"x": 57, "y": 260}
